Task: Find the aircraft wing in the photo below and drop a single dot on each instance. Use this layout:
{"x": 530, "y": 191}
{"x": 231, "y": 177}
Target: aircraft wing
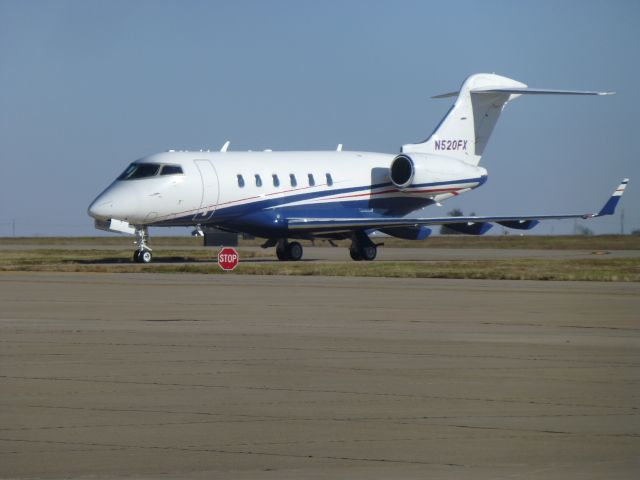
{"x": 475, "y": 225}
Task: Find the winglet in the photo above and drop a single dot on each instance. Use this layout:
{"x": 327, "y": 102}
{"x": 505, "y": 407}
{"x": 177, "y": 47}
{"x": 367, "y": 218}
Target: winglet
{"x": 610, "y": 207}
{"x": 225, "y": 146}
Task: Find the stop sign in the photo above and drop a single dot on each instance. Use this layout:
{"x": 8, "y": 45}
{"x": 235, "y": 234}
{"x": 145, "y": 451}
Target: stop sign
{"x": 228, "y": 258}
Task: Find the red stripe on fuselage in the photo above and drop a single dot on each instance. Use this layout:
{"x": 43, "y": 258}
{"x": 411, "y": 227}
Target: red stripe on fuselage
{"x": 395, "y": 190}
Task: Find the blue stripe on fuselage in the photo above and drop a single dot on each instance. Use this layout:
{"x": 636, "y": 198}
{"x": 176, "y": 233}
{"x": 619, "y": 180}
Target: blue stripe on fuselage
{"x": 269, "y": 216}
{"x": 223, "y": 213}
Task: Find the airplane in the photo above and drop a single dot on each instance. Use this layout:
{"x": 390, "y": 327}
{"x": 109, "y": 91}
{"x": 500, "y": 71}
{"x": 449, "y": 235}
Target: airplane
{"x": 283, "y": 196}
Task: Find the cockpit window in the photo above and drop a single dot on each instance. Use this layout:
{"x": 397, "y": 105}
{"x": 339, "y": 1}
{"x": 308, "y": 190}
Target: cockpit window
{"x": 171, "y": 170}
{"x": 146, "y": 170}
{"x": 140, "y": 170}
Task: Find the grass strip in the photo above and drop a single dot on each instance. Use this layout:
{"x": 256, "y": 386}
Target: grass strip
{"x": 599, "y": 268}
{"x": 527, "y": 242}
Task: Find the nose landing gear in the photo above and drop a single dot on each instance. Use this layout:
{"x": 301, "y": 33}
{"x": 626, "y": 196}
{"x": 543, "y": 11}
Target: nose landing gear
{"x": 143, "y": 252}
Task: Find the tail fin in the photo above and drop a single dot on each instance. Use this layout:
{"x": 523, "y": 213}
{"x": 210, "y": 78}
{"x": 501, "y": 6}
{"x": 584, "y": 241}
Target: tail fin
{"x": 465, "y": 130}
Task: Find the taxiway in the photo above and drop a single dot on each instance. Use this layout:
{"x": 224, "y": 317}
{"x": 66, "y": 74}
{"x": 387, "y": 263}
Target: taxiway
{"x": 226, "y": 376}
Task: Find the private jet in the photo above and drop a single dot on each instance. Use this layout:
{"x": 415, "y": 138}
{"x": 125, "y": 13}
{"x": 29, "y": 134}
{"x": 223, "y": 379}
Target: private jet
{"x": 288, "y": 196}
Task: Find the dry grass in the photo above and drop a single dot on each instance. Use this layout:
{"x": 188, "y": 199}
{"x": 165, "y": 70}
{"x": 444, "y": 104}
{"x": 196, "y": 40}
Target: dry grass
{"x": 185, "y": 254}
{"x": 201, "y": 261}
{"x": 529, "y": 242}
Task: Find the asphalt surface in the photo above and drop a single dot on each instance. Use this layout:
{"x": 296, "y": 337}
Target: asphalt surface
{"x": 235, "y": 377}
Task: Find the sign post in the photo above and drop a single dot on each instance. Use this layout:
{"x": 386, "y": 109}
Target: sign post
{"x": 228, "y": 258}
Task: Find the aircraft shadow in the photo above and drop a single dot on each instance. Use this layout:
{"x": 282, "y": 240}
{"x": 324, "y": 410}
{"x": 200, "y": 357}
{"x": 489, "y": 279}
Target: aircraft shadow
{"x": 174, "y": 260}
{"x": 120, "y": 260}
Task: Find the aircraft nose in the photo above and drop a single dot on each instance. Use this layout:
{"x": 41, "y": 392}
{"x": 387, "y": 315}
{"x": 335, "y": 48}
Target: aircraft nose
{"x": 120, "y": 202}
{"x": 101, "y": 208}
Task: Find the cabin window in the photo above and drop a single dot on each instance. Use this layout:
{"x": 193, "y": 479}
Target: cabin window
{"x": 329, "y": 179}
{"x": 312, "y": 180}
{"x": 140, "y": 170}
{"x": 276, "y": 180}
{"x": 240, "y": 181}
{"x": 171, "y": 170}
{"x": 258, "y": 181}
{"x": 292, "y": 178}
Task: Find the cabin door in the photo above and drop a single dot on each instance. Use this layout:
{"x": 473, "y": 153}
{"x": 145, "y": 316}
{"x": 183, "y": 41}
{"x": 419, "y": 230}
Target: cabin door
{"x": 210, "y": 190}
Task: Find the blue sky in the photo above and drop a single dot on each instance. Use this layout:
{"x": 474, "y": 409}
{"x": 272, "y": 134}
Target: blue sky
{"x": 88, "y": 86}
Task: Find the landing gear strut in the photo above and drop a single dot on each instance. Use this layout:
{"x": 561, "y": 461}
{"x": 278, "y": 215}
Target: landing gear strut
{"x": 362, "y": 248}
{"x": 143, "y": 252}
{"x": 288, "y": 251}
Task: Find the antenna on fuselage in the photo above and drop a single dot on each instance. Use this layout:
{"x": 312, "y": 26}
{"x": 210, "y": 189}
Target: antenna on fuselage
{"x": 339, "y": 149}
{"x": 225, "y": 146}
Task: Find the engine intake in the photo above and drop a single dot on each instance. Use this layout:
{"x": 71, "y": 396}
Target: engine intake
{"x": 402, "y": 171}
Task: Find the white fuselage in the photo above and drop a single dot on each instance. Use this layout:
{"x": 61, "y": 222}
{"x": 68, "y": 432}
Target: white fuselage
{"x": 256, "y": 192}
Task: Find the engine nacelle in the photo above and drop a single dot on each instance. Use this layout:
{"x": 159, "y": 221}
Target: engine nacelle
{"x": 412, "y": 169}
{"x": 402, "y": 171}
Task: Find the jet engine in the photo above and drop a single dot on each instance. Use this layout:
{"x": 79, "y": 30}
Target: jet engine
{"x": 414, "y": 169}
{"x": 402, "y": 171}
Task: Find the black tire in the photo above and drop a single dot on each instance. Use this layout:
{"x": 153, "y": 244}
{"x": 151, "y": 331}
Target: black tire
{"x": 294, "y": 251}
{"x": 369, "y": 253}
{"x": 355, "y": 254}
{"x": 136, "y": 256}
{"x": 281, "y": 253}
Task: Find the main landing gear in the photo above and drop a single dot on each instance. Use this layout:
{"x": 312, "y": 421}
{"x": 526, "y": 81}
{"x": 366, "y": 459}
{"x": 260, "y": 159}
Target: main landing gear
{"x": 288, "y": 250}
{"x": 143, "y": 252}
{"x": 362, "y": 248}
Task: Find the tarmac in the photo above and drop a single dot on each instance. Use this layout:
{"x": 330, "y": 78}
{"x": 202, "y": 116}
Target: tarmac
{"x": 237, "y": 377}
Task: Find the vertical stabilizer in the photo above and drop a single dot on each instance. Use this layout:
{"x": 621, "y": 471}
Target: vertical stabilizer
{"x": 463, "y": 133}
{"x": 465, "y": 130}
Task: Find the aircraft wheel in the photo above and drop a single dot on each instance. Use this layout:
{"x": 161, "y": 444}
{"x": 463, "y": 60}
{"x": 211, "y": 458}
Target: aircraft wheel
{"x": 145, "y": 256}
{"x": 142, "y": 256}
{"x": 355, "y": 254}
{"x": 281, "y": 253}
{"x": 369, "y": 253}
{"x": 294, "y": 251}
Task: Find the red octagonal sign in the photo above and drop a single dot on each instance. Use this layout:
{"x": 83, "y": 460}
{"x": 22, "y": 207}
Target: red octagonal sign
{"x": 228, "y": 258}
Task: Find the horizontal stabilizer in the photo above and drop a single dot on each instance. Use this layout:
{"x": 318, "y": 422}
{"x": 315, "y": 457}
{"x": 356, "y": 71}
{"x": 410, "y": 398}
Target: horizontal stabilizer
{"x": 525, "y": 91}
{"x": 537, "y": 91}
{"x": 446, "y": 95}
